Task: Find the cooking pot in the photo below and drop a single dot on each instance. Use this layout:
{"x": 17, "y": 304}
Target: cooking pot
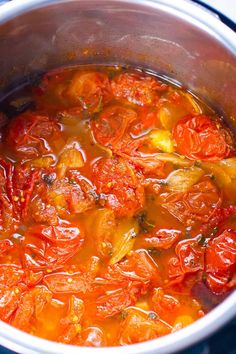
{"x": 176, "y": 39}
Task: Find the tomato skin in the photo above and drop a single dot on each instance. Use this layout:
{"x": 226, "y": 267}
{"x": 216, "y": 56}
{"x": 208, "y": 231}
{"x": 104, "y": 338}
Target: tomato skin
{"x": 50, "y": 247}
{"x": 109, "y": 127}
{"x": 115, "y": 302}
{"x": 30, "y": 307}
{"x": 5, "y": 246}
{"x": 9, "y": 301}
{"x": 29, "y": 134}
{"x": 73, "y": 194}
{"x": 137, "y": 88}
{"x": 163, "y": 303}
{"x": 196, "y": 205}
{"x": 221, "y": 261}
{"x": 199, "y": 138}
{"x": 146, "y": 120}
{"x": 190, "y": 258}
{"x": 69, "y": 324}
{"x": 138, "y": 266}
{"x": 118, "y": 185}
{"x": 162, "y": 238}
{"x": 221, "y": 252}
{"x": 92, "y": 337}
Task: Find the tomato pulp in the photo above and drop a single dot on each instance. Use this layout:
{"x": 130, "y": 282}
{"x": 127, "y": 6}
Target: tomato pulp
{"x": 117, "y": 208}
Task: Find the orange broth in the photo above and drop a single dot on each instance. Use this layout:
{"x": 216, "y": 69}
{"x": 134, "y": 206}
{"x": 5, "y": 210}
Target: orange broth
{"x": 117, "y": 207}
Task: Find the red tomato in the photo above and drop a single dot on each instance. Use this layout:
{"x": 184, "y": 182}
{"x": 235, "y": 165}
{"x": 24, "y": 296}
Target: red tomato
{"x": 221, "y": 261}
{"x": 147, "y": 118}
{"x": 164, "y": 304}
{"x": 30, "y": 134}
{"x": 162, "y": 238}
{"x": 90, "y": 90}
{"x": 199, "y": 138}
{"x": 50, "y": 246}
{"x": 218, "y": 219}
{"x": 91, "y": 337}
{"x": 190, "y": 258}
{"x": 80, "y": 281}
{"x": 140, "y": 326}
{"x": 138, "y": 266}
{"x": 69, "y": 324}
{"x": 71, "y": 195}
{"x": 137, "y": 88}
{"x": 221, "y": 252}
{"x": 198, "y": 204}
{"x": 5, "y": 246}
{"x": 116, "y": 301}
{"x": 62, "y": 89}
{"x": 118, "y": 186}
{"x": 109, "y": 127}
{"x": 31, "y": 305}
{"x": 9, "y": 301}
{"x": 11, "y": 275}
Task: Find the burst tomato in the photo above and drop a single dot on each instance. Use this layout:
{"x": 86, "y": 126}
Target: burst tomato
{"x": 109, "y": 127}
{"x": 31, "y": 134}
{"x": 199, "y": 138}
{"x": 162, "y": 238}
{"x": 136, "y": 88}
{"x": 118, "y": 186}
{"x": 50, "y": 246}
{"x": 196, "y": 205}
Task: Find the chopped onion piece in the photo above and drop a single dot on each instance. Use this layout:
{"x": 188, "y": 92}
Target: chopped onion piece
{"x": 71, "y": 158}
{"x": 175, "y": 159}
{"x": 162, "y": 140}
{"x": 123, "y": 239}
{"x": 222, "y": 178}
{"x": 165, "y": 118}
{"x": 191, "y": 100}
{"x": 183, "y": 179}
{"x": 42, "y": 162}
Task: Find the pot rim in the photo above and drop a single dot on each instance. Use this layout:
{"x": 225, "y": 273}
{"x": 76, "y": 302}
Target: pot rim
{"x": 22, "y": 342}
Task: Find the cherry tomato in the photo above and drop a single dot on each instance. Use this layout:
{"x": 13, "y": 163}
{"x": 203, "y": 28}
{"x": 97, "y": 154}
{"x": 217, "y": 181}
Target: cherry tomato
{"x": 147, "y": 118}
{"x": 79, "y": 281}
{"x": 140, "y": 326}
{"x": 190, "y": 258}
{"x": 9, "y": 301}
{"x": 31, "y": 305}
{"x": 118, "y": 186}
{"x": 138, "y": 266}
{"x": 30, "y": 134}
{"x": 109, "y": 127}
{"x": 221, "y": 252}
{"x": 73, "y": 194}
{"x": 5, "y": 246}
{"x": 92, "y": 337}
{"x": 66, "y": 89}
{"x": 164, "y": 304}
{"x": 196, "y": 205}
{"x": 11, "y": 275}
{"x": 221, "y": 261}
{"x": 90, "y": 90}
{"x": 137, "y": 88}
{"x": 50, "y": 246}
{"x": 115, "y": 302}
{"x": 69, "y": 324}
{"x": 162, "y": 238}
{"x": 199, "y": 138}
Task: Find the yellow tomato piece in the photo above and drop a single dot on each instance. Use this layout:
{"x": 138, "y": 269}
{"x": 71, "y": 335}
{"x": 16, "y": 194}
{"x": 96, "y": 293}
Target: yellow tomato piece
{"x": 162, "y": 140}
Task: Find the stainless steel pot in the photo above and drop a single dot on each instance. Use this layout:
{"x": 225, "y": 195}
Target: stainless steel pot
{"x": 174, "y": 38}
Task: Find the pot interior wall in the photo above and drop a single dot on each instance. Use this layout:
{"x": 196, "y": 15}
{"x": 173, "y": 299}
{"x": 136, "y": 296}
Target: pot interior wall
{"x": 127, "y": 32}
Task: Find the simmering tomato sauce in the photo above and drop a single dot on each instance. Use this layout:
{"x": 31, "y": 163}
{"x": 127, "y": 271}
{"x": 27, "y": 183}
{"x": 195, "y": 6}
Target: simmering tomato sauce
{"x": 117, "y": 207}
